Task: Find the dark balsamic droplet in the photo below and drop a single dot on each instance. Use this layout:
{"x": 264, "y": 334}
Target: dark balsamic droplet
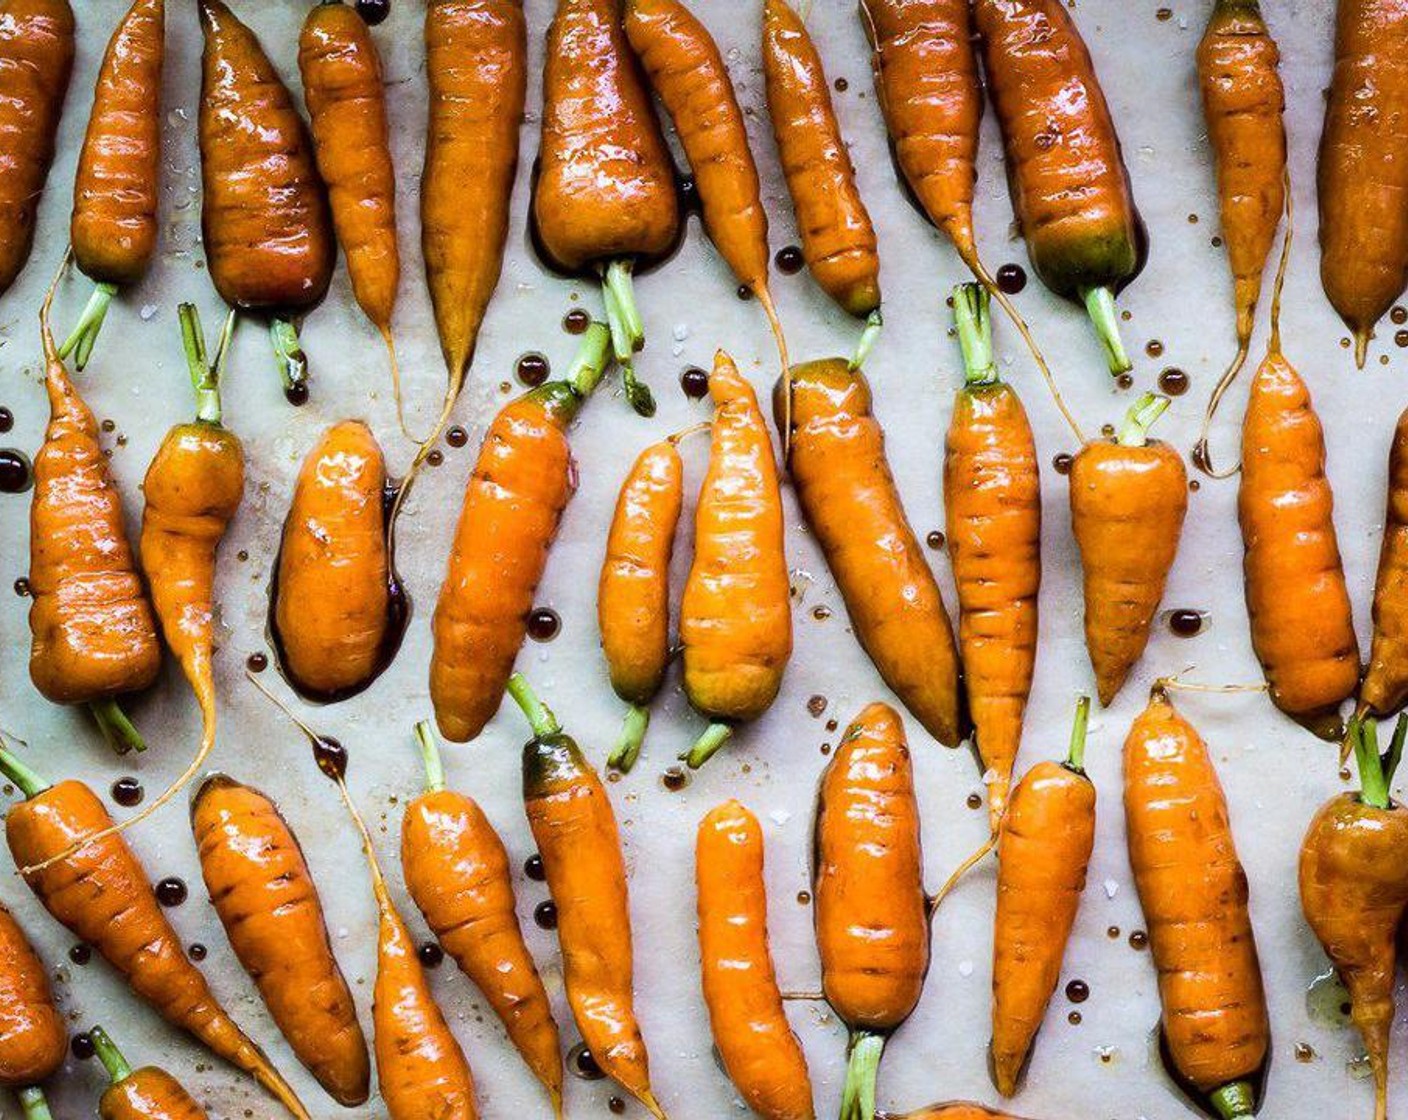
{"x": 821, "y": 613}
{"x": 816, "y": 705}
{"x": 1153, "y": 348}
{"x": 108, "y": 425}
{"x": 197, "y": 952}
{"x": 1398, "y": 315}
{"x": 1113, "y": 933}
{"x": 16, "y": 473}
{"x": 744, "y": 292}
{"x": 841, "y": 85}
{"x": 1077, "y": 991}
{"x": 831, "y": 725}
{"x": 1124, "y": 380}
{"x": 577, "y": 321}
{"x": 331, "y": 757}
{"x": 975, "y": 801}
{"x": 1194, "y": 485}
{"x": 545, "y": 914}
{"x": 532, "y": 369}
{"x": 80, "y": 954}
{"x": 534, "y": 869}
{"x": 127, "y": 792}
{"x": 804, "y": 898}
{"x": 434, "y": 457}
{"x": 1139, "y": 940}
{"x": 22, "y": 587}
{"x": 1400, "y": 338}
{"x": 1187, "y": 623}
{"x": 582, "y": 1064}
{"x": 674, "y": 779}
{"x": 430, "y": 955}
{"x": 616, "y": 1105}
{"x": 935, "y": 540}
{"x": 171, "y": 891}
{"x": 82, "y": 1047}
{"x": 544, "y": 624}
{"x": 373, "y": 11}
{"x": 1011, "y": 278}
{"x": 7, "y": 419}
{"x": 1074, "y": 1018}
{"x": 1062, "y": 463}
{"x": 789, "y": 260}
{"x": 695, "y": 383}
{"x": 457, "y": 436}
{"x": 297, "y": 394}
{"x": 1163, "y": 15}
{"x": 1173, "y": 382}
{"x": 257, "y": 662}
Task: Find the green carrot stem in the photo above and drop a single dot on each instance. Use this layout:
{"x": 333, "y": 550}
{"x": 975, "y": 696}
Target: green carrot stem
{"x": 1134, "y": 432}
{"x": 1075, "y": 757}
{"x": 205, "y": 378}
{"x": 1100, "y": 305}
{"x": 109, "y": 1055}
{"x": 293, "y": 362}
{"x": 862, "y": 1069}
{"x": 430, "y": 756}
{"x": 1235, "y": 1100}
{"x": 1394, "y": 755}
{"x": 707, "y": 745}
{"x": 30, "y": 783}
{"x": 869, "y": 336}
{"x": 619, "y": 288}
{"x": 117, "y": 729}
{"x": 85, "y": 334}
{"x": 623, "y": 756}
{"x": 974, "y": 324}
{"x": 34, "y": 1105}
{"x": 589, "y": 363}
{"x": 538, "y": 714}
{"x": 1373, "y": 782}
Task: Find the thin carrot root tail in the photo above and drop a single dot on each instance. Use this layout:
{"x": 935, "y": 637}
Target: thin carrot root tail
{"x": 869, "y": 336}
{"x": 80, "y": 342}
{"x": 652, "y": 1106}
{"x": 119, "y": 732}
{"x": 452, "y": 394}
{"x": 707, "y": 745}
{"x": 963, "y": 868}
{"x": 293, "y": 362}
{"x": 555, "y": 1100}
{"x": 1361, "y": 348}
{"x": 627, "y": 333}
{"x": 770, "y": 310}
{"x": 1202, "y": 456}
{"x": 266, "y": 1073}
{"x": 862, "y": 1068}
{"x": 623, "y": 756}
{"x": 1100, "y": 306}
{"x": 396, "y": 386}
{"x": 1235, "y": 1100}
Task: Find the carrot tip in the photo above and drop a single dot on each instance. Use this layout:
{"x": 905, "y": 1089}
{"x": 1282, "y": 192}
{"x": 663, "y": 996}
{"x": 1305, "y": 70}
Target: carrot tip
{"x": 707, "y": 745}
{"x": 117, "y": 729}
{"x": 1361, "y": 348}
{"x": 623, "y": 756}
{"x": 1100, "y": 305}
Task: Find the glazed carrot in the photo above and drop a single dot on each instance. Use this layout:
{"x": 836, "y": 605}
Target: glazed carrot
{"x": 264, "y": 217}
{"x": 114, "y": 225}
{"x": 871, "y": 915}
{"x": 33, "y": 1035}
{"x": 102, "y": 895}
{"x": 457, "y": 873}
{"x": 336, "y": 595}
{"x": 1384, "y": 689}
{"x": 605, "y": 197}
{"x": 1042, "y": 855}
{"x": 344, "y": 91}
{"x": 1194, "y": 895}
{"x": 736, "y": 613}
{"x": 1363, "y": 167}
{"x": 262, "y": 891}
{"x": 575, "y": 830}
{"x": 1070, "y": 188}
{"x": 93, "y": 634}
{"x": 633, "y": 593}
{"x": 1354, "y": 892}
{"x": 513, "y": 502}
{"x": 36, "y": 60}
{"x": 1128, "y": 498}
{"x": 992, "y": 505}
{"x": 147, "y": 1093}
{"x": 848, "y": 496}
{"x": 952, "y": 1110}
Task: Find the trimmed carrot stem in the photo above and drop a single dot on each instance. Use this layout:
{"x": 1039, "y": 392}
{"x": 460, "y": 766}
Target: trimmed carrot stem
{"x": 973, "y": 322}
{"x": 1234, "y": 1101}
{"x": 1140, "y": 418}
{"x": 589, "y": 363}
{"x": 869, "y": 336}
{"x": 34, "y": 1105}
{"x": 288, "y": 350}
{"x": 109, "y": 1055}
{"x": 430, "y": 756}
{"x": 1100, "y": 305}
{"x": 862, "y": 1068}
{"x": 538, "y": 714}
{"x": 85, "y": 334}
{"x": 117, "y": 729}
{"x": 707, "y": 745}
{"x": 1075, "y": 756}
{"x": 30, "y": 783}
{"x": 623, "y": 756}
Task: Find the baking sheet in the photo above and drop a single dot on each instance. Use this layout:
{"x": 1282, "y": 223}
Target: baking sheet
{"x": 1274, "y": 773}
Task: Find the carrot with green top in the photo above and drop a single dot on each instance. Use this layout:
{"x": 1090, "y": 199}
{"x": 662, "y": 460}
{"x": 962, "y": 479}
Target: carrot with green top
{"x": 148, "y": 1093}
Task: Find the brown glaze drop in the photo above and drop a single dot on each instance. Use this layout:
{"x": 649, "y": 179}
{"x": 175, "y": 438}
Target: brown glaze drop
{"x": 171, "y": 891}
{"x": 841, "y": 85}
{"x": 1398, "y": 315}
{"x": 532, "y": 369}
{"x": 127, "y": 792}
{"x": 695, "y": 383}
{"x": 581, "y": 1063}
{"x": 544, "y": 624}
{"x": 935, "y": 540}
{"x": 7, "y": 419}
{"x": 196, "y": 952}
{"x": 373, "y": 12}
{"x": 974, "y": 801}
{"x": 534, "y": 869}
{"x": 789, "y": 260}
{"x": 434, "y": 457}
{"x": 1011, "y": 278}
{"x": 1074, "y": 1018}
{"x": 1107, "y": 430}
{"x": 545, "y": 914}
{"x": 804, "y": 898}
{"x": 1163, "y": 15}
{"x": 1173, "y": 382}
{"x": 257, "y": 662}
{"x": 577, "y": 321}
{"x": 1400, "y": 338}
{"x": 1186, "y": 623}
{"x": 108, "y": 425}
{"x": 1305, "y": 1053}
{"x": 1154, "y": 348}
{"x": 331, "y": 757}
{"x": 82, "y": 1047}
{"x": 16, "y": 472}
{"x": 80, "y": 954}
{"x": 1194, "y": 485}
{"x": 616, "y": 1105}
{"x": 1113, "y": 933}
{"x": 816, "y": 705}
{"x": 1077, "y": 991}
{"x": 674, "y": 779}
{"x": 297, "y": 394}
{"x": 1061, "y": 463}
{"x": 430, "y": 954}
{"x": 821, "y": 613}
{"x": 831, "y": 725}
{"x": 1139, "y": 940}
{"x": 1124, "y": 380}
{"x": 457, "y": 436}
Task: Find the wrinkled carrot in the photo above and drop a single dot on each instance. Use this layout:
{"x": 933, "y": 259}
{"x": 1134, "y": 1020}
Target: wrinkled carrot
{"x": 266, "y": 899}
{"x": 1128, "y": 498}
{"x": 575, "y": 830}
{"x": 848, "y": 496}
{"x": 102, "y": 895}
{"x": 513, "y": 502}
{"x": 457, "y": 872}
{"x": 147, "y": 1093}
{"x": 33, "y": 1035}
{"x": 759, "y": 1052}
{"x": 113, "y": 229}
{"x": 1384, "y": 689}
{"x": 1194, "y": 895}
{"x": 1042, "y": 857}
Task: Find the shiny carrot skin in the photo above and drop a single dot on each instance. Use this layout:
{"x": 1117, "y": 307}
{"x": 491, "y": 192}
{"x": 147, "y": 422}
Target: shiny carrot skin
{"x": 457, "y": 873}
{"x": 266, "y": 899}
{"x": 843, "y": 483}
{"x": 148, "y": 1093}
{"x": 1385, "y": 686}
{"x": 1193, "y": 892}
{"x": 33, "y": 1034}
{"x": 36, "y": 61}
{"x": 1297, "y": 602}
{"x": 760, "y": 1053}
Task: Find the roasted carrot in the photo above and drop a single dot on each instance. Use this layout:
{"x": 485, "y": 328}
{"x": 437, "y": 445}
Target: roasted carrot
{"x": 1384, "y": 689}
{"x": 94, "y": 638}
{"x": 871, "y": 915}
{"x": 1070, "y": 187}
{"x": 952, "y": 1110}
{"x": 102, "y": 895}
{"x": 264, "y": 217}
{"x": 736, "y": 613}
{"x": 992, "y": 504}
{"x": 848, "y": 496}
{"x": 114, "y": 225}
{"x": 1042, "y": 855}
{"x": 1363, "y": 167}
{"x": 266, "y": 899}
{"x": 457, "y": 873}
{"x": 147, "y": 1093}
{"x": 633, "y": 593}
{"x": 1194, "y": 895}
{"x": 759, "y": 1052}
{"x": 36, "y": 61}
{"x": 513, "y": 502}
{"x": 1128, "y": 498}
{"x": 33, "y": 1035}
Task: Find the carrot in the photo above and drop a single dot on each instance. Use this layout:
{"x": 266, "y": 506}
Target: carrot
{"x": 633, "y": 593}
{"x": 992, "y": 505}
{"x": 1384, "y": 689}
{"x": 848, "y": 496}
{"x": 871, "y": 915}
{"x": 93, "y": 634}
{"x": 264, "y": 216}
{"x": 36, "y": 60}
{"x": 33, "y": 1035}
{"x": 1363, "y": 168}
{"x": 1128, "y": 498}
{"x": 952, "y": 1110}
{"x": 102, "y": 895}
{"x": 457, "y": 873}
{"x": 1194, "y": 895}
{"x": 114, "y": 225}
{"x": 262, "y": 891}
{"x": 1042, "y": 856}
{"x": 575, "y": 830}
{"x": 736, "y": 614}
{"x": 1070, "y": 188}
{"x": 1243, "y": 105}
{"x": 513, "y": 502}
{"x": 759, "y": 1052}
{"x": 147, "y": 1093}
{"x": 605, "y": 196}
{"x": 344, "y": 91}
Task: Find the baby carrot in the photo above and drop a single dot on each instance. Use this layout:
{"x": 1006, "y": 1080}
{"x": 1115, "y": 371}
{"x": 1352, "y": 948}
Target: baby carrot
{"x": 992, "y": 502}
{"x": 262, "y": 891}
{"x": 759, "y": 1052}
{"x": 513, "y": 502}
{"x": 33, "y": 1035}
{"x": 848, "y": 496}
{"x": 1194, "y": 895}
{"x": 871, "y": 914}
{"x": 36, "y": 61}
{"x": 147, "y": 1093}
{"x": 736, "y": 613}
{"x": 1128, "y": 498}
{"x": 1384, "y": 689}
{"x": 457, "y": 873}
{"x": 1042, "y": 856}
{"x": 114, "y": 225}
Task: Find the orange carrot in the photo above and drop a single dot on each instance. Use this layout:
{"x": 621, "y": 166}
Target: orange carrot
{"x": 33, "y": 1035}
{"x": 148, "y": 1093}
{"x": 1385, "y": 686}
